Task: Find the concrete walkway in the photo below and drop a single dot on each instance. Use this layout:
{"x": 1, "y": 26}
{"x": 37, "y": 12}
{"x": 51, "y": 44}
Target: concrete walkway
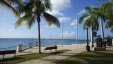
{"x": 53, "y": 58}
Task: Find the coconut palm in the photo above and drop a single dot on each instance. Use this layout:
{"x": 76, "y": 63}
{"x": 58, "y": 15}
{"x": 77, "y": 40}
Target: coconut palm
{"x": 107, "y": 8}
{"x": 90, "y": 19}
{"x": 32, "y": 11}
{"x": 101, "y": 16}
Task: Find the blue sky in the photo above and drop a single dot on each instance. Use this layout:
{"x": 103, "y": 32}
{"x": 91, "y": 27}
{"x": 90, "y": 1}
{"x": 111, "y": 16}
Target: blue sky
{"x": 68, "y": 13}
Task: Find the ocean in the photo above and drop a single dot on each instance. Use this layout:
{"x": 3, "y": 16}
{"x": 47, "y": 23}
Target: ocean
{"x": 10, "y": 43}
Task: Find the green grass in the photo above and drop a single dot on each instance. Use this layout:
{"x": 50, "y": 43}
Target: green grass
{"x": 89, "y": 58}
{"x": 27, "y": 57}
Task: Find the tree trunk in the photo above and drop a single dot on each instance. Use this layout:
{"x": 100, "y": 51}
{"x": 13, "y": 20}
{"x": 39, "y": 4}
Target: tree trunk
{"x": 92, "y": 35}
{"x": 87, "y": 38}
{"x": 38, "y": 21}
{"x": 101, "y": 27}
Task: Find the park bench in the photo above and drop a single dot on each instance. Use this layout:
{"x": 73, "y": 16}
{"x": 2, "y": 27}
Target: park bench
{"x": 8, "y": 52}
{"x": 50, "y": 48}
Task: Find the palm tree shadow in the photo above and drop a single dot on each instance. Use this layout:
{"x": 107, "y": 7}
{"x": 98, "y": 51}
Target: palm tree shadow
{"x": 89, "y": 58}
{"x": 3, "y": 61}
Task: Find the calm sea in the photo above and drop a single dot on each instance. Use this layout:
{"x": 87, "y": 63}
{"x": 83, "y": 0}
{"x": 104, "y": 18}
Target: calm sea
{"x": 10, "y": 43}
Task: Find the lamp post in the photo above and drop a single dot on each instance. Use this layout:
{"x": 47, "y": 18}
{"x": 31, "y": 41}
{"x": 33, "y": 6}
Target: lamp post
{"x": 87, "y": 46}
{"x": 62, "y": 33}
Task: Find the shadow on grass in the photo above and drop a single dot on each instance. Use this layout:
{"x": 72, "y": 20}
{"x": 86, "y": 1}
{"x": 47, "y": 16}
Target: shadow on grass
{"x": 89, "y": 58}
{"x": 5, "y": 61}
{"x": 58, "y": 52}
{"x": 22, "y": 58}
{"x": 28, "y": 57}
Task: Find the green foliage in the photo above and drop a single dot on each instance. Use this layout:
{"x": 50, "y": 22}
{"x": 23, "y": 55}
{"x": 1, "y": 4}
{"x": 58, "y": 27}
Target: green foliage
{"x": 7, "y": 5}
{"x": 107, "y": 8}
{"x": 51, "y": 19}
{"x": 36, "y": 9}
{"x": 89, "y": 18}
{"x": 83, "y": 17}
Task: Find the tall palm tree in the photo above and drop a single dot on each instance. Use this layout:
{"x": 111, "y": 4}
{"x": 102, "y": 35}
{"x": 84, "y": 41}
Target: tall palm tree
{"x": 107, "y": 7}
{"x": 90, "y": 19}
{"x": 101, "y": 16}
{"x": 34, "y": 10}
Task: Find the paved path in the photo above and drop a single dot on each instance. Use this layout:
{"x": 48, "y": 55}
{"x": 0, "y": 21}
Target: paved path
{"x": 53, "y": 58}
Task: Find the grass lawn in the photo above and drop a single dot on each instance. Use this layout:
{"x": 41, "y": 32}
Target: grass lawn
{"x": 27, "y": 57}
{"x": 89, "y": 58}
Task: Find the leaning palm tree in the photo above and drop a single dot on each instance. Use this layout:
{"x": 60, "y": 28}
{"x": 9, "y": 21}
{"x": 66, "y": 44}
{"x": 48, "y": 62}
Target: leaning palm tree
{"x": 34, "y": 10}
{"x": 90, "y": 19}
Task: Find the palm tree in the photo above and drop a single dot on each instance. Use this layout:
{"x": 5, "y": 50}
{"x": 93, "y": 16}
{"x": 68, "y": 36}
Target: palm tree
{"x": 90, "y": 19}
{"x": 32, "y": 10}
{"x": 107, "y": 8}
{"x": 101, "y": 16}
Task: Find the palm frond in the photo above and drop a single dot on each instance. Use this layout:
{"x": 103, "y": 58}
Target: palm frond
{"x": 83, "y": 17}
{"x": 95, "y": 24}
{"x": 4, "y": 3}
{"x": 112, "y": 29}
{"x": 17, "y": 2}
{"x": 21, "y": 20}
{"x": 88, "y": 9}
{"x": 51, "y": 19}
{"x": 47, "y": 4}
{"x": 87, "y": 23}
{"x": 109, "y": 24}
{"x": 30, "y": 21}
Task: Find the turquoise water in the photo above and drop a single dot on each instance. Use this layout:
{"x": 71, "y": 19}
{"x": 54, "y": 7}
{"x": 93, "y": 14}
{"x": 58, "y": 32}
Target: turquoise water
{"x": 10, "y": 43}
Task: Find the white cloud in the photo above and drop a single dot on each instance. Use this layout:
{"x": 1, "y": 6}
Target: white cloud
{"x": 64, "y": 19}
{"x": 58, "y": 6}
{"x": 74, "y": 22}
{"x": 82, "y": 12}
{"x": 55, "y": 12}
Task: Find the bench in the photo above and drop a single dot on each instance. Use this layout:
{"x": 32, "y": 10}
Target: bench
{"x": 8, "y": 52}
{"x": 50, "y": 48}
{"x": 99, "y": 48}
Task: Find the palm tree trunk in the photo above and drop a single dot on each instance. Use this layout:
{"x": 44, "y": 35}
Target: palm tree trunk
{"x": 101, "y": 27}
{"x": 38, "y": 21}
{"x": 92, "y": 34}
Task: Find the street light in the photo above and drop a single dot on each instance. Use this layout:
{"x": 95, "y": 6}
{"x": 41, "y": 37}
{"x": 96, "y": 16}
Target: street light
{"x": 62, "y": 33}
{"x": 87, "y": 46}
